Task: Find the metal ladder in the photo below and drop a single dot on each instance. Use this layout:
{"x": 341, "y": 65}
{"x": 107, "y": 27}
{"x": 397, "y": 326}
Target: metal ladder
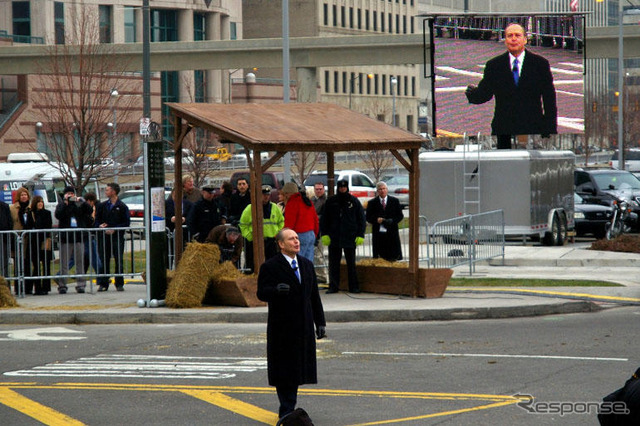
{"x": 471, "y": 176}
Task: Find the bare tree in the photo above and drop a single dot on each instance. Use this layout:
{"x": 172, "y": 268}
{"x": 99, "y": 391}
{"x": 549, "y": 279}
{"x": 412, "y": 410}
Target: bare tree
{"x": 76, "y": 101}
{"x": 377, "y": 161}
{"x": 304, "y": 163}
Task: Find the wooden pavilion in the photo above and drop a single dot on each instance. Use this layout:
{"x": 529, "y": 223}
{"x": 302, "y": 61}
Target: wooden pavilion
{"x": 297, "y": 127}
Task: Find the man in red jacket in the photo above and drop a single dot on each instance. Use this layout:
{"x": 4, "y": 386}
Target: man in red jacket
{"x": 300, "y": 215}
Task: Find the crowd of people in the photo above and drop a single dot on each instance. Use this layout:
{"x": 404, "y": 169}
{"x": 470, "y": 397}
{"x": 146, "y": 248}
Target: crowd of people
{"x": 85, "y": 238}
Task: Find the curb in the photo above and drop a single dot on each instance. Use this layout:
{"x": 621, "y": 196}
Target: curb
{"x": 162, "y": 316}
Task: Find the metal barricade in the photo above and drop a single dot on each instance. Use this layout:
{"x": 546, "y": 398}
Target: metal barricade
{"x": 63, "y": 255}
{"x": 467, "y": 240}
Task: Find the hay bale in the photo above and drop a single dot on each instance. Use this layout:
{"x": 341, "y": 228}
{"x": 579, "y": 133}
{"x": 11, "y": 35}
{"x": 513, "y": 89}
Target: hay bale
{"x": 6, "y": 298}
{"x": 191, "y": 279}
{"x": 382, "y": 263}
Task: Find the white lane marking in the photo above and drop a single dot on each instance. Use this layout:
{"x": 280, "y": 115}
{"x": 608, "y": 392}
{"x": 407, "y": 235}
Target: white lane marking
{"x": 572, "y": 64}
{"x": 147, "y": 366}
{"x": 579, "y": 358}
{"x": 564, "y": 92}
{"x": 572, "y": 123}
{"x": 563, "y": 71}
{"x": 459, "y": 71}
{"x": 37, "y": 334}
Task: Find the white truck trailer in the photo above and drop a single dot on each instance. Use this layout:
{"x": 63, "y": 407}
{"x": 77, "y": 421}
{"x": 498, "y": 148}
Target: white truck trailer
{"x": 534, "y": 188}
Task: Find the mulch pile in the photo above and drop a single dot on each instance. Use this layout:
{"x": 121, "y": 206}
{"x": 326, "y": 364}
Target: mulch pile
{"x": 624, "y": 243}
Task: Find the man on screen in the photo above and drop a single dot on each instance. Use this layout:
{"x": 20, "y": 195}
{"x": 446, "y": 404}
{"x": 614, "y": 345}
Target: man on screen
{"x": 522, "y": 84}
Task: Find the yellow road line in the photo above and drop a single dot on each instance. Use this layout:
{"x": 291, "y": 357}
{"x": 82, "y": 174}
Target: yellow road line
{"x": 547, "y": 292}
{"x": 33, "y": 409}
{"x": 432, "y": 415}
{"x": 239, "y": 407}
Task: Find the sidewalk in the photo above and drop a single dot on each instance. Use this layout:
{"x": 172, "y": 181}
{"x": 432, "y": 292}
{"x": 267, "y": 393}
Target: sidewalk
{"x": 568, "y": 262}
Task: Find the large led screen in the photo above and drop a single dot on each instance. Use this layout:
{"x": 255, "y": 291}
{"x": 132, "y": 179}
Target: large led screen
{"x": 476, "y": 91}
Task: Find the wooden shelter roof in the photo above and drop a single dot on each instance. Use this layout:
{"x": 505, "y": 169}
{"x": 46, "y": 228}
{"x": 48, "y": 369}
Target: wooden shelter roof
{"x": 295, "y": 127}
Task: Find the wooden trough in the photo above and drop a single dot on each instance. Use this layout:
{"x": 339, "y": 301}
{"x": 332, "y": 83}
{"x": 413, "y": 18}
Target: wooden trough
{"x": 432, "y": 282}
{"x": 234, "y": 292}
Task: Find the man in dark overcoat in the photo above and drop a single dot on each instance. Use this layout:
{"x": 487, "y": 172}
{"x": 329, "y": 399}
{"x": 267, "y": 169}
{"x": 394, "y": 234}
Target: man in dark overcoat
{"x": 384, "y": 213}
{"x": 522, "y": 84}
{"x": 342, "y": 226}
{"x": 287, "y": 282}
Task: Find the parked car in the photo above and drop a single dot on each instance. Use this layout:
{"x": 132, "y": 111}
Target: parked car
{"x": 273, "y": 179}
{"x": 591, "y": 219}
{"x": 106, "y": 165}
{"x": 360, "y": 185}
{"x": 631, "y": 160}
{"x": 134, "y": 199}
{"x": 398, "y": 186}
{"x": 606, "y": 186}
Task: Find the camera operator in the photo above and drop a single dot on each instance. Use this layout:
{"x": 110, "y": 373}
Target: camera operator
{"x": 72, "y": 213}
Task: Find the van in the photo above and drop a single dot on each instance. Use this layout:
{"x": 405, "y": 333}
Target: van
{"x": 631, "y": 160}
{"x": 40, "y": 178}
{"x": 27, "y": 157}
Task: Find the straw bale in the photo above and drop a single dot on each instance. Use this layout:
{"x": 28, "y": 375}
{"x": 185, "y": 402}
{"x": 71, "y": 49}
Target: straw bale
{"x": 382, "y": 263}
{"x": 6, "y": 298}
{"x": 191, "y": 279}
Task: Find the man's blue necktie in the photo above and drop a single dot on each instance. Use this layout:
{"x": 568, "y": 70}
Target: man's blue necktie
{"x": 294, "y": 265}
{"x": 516, "y": 76}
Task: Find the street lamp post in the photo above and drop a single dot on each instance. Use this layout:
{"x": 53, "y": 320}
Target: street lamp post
{"x": 230, "y": 74}
{"x": 114, "y": 129}
{"x": 394, "y": 84}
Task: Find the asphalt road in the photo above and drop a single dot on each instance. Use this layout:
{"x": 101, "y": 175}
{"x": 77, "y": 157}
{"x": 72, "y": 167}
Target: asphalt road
{"x": 428, "y": 373}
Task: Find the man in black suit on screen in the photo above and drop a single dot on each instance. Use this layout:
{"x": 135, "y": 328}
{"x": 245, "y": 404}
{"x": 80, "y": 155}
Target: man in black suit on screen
{"x": 522, "y": 84}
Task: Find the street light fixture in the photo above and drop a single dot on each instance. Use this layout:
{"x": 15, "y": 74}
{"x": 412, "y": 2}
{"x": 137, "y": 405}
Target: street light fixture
{"x": 394, "y": 85}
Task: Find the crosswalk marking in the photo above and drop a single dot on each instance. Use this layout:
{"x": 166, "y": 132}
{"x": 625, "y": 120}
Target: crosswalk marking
{"x": 141, "y": 366}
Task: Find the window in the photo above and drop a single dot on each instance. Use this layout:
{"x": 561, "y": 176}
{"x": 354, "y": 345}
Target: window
{"x": 350, "y": 17}
{"x": 382, "y": 21}
{"x": 325, "y": 14}
{"x": 335, "y": 82}
{"x": 366, "y": 20}
{"x": 335, "y": 15}
{"x": 368, "y": 85}
{"x": 327, "y": 83}
{"x": 344, "y": 82}
{"x": 169, "y": 93}
{"x": 384, "y": 84}
{"x": 375, "y": 21}
{"x": 199, "y": 86}
{"x": 359, "y": 19}
{"x": 105, "y": 23}
{"x": 404, "y": 24}
{"x": 164, "y": 25}
{"x": 233, "y": 31}
{"x": 375, "y": 84}
{"x": 21, "y": 18}
{"x": 129, "y": 24}
{"x": 343, "y": 16}
{"x": 199, "y": 27}
{"x": 413, "y": 86}
{"x": 390, "y": 17}
{"x": 58, "y": 22}
{"x": 405, "y": 85}
{"x": 397, "y": 24}
{"x": 360, "y": 83}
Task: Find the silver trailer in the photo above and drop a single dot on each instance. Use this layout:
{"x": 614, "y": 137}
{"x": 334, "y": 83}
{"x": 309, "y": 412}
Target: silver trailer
{"x": 534, "y": 188}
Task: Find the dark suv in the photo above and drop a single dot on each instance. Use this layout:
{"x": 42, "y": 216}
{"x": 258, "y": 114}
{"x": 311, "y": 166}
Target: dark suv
{"x": 604, "y": 186}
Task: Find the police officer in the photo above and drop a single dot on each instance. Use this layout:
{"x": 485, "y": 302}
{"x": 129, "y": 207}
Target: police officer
{"x": 205, "y": 215}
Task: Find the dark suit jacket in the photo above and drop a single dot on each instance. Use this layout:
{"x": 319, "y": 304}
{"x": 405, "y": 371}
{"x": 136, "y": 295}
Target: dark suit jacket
{"x": 291, "y": 345}
{"x": 385, "y": 244}
{"x": 529, "y": 107}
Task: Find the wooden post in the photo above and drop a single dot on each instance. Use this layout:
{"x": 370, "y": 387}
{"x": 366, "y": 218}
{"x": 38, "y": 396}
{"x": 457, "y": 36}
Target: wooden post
{"x": 255, "y": 170}
{"x": 414, "y": 218}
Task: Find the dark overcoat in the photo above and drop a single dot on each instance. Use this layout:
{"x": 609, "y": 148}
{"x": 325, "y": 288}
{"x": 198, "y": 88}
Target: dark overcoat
{"x": 343, "y": 220}
{"x": 291, "y": 339}
{"x": 528, "y": 108}
{"x": 385, "y": 244}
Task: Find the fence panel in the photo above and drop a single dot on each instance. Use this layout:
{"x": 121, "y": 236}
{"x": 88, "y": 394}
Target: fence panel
{"x": 467, "y": 240}
{"x": 63, "y": 255}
